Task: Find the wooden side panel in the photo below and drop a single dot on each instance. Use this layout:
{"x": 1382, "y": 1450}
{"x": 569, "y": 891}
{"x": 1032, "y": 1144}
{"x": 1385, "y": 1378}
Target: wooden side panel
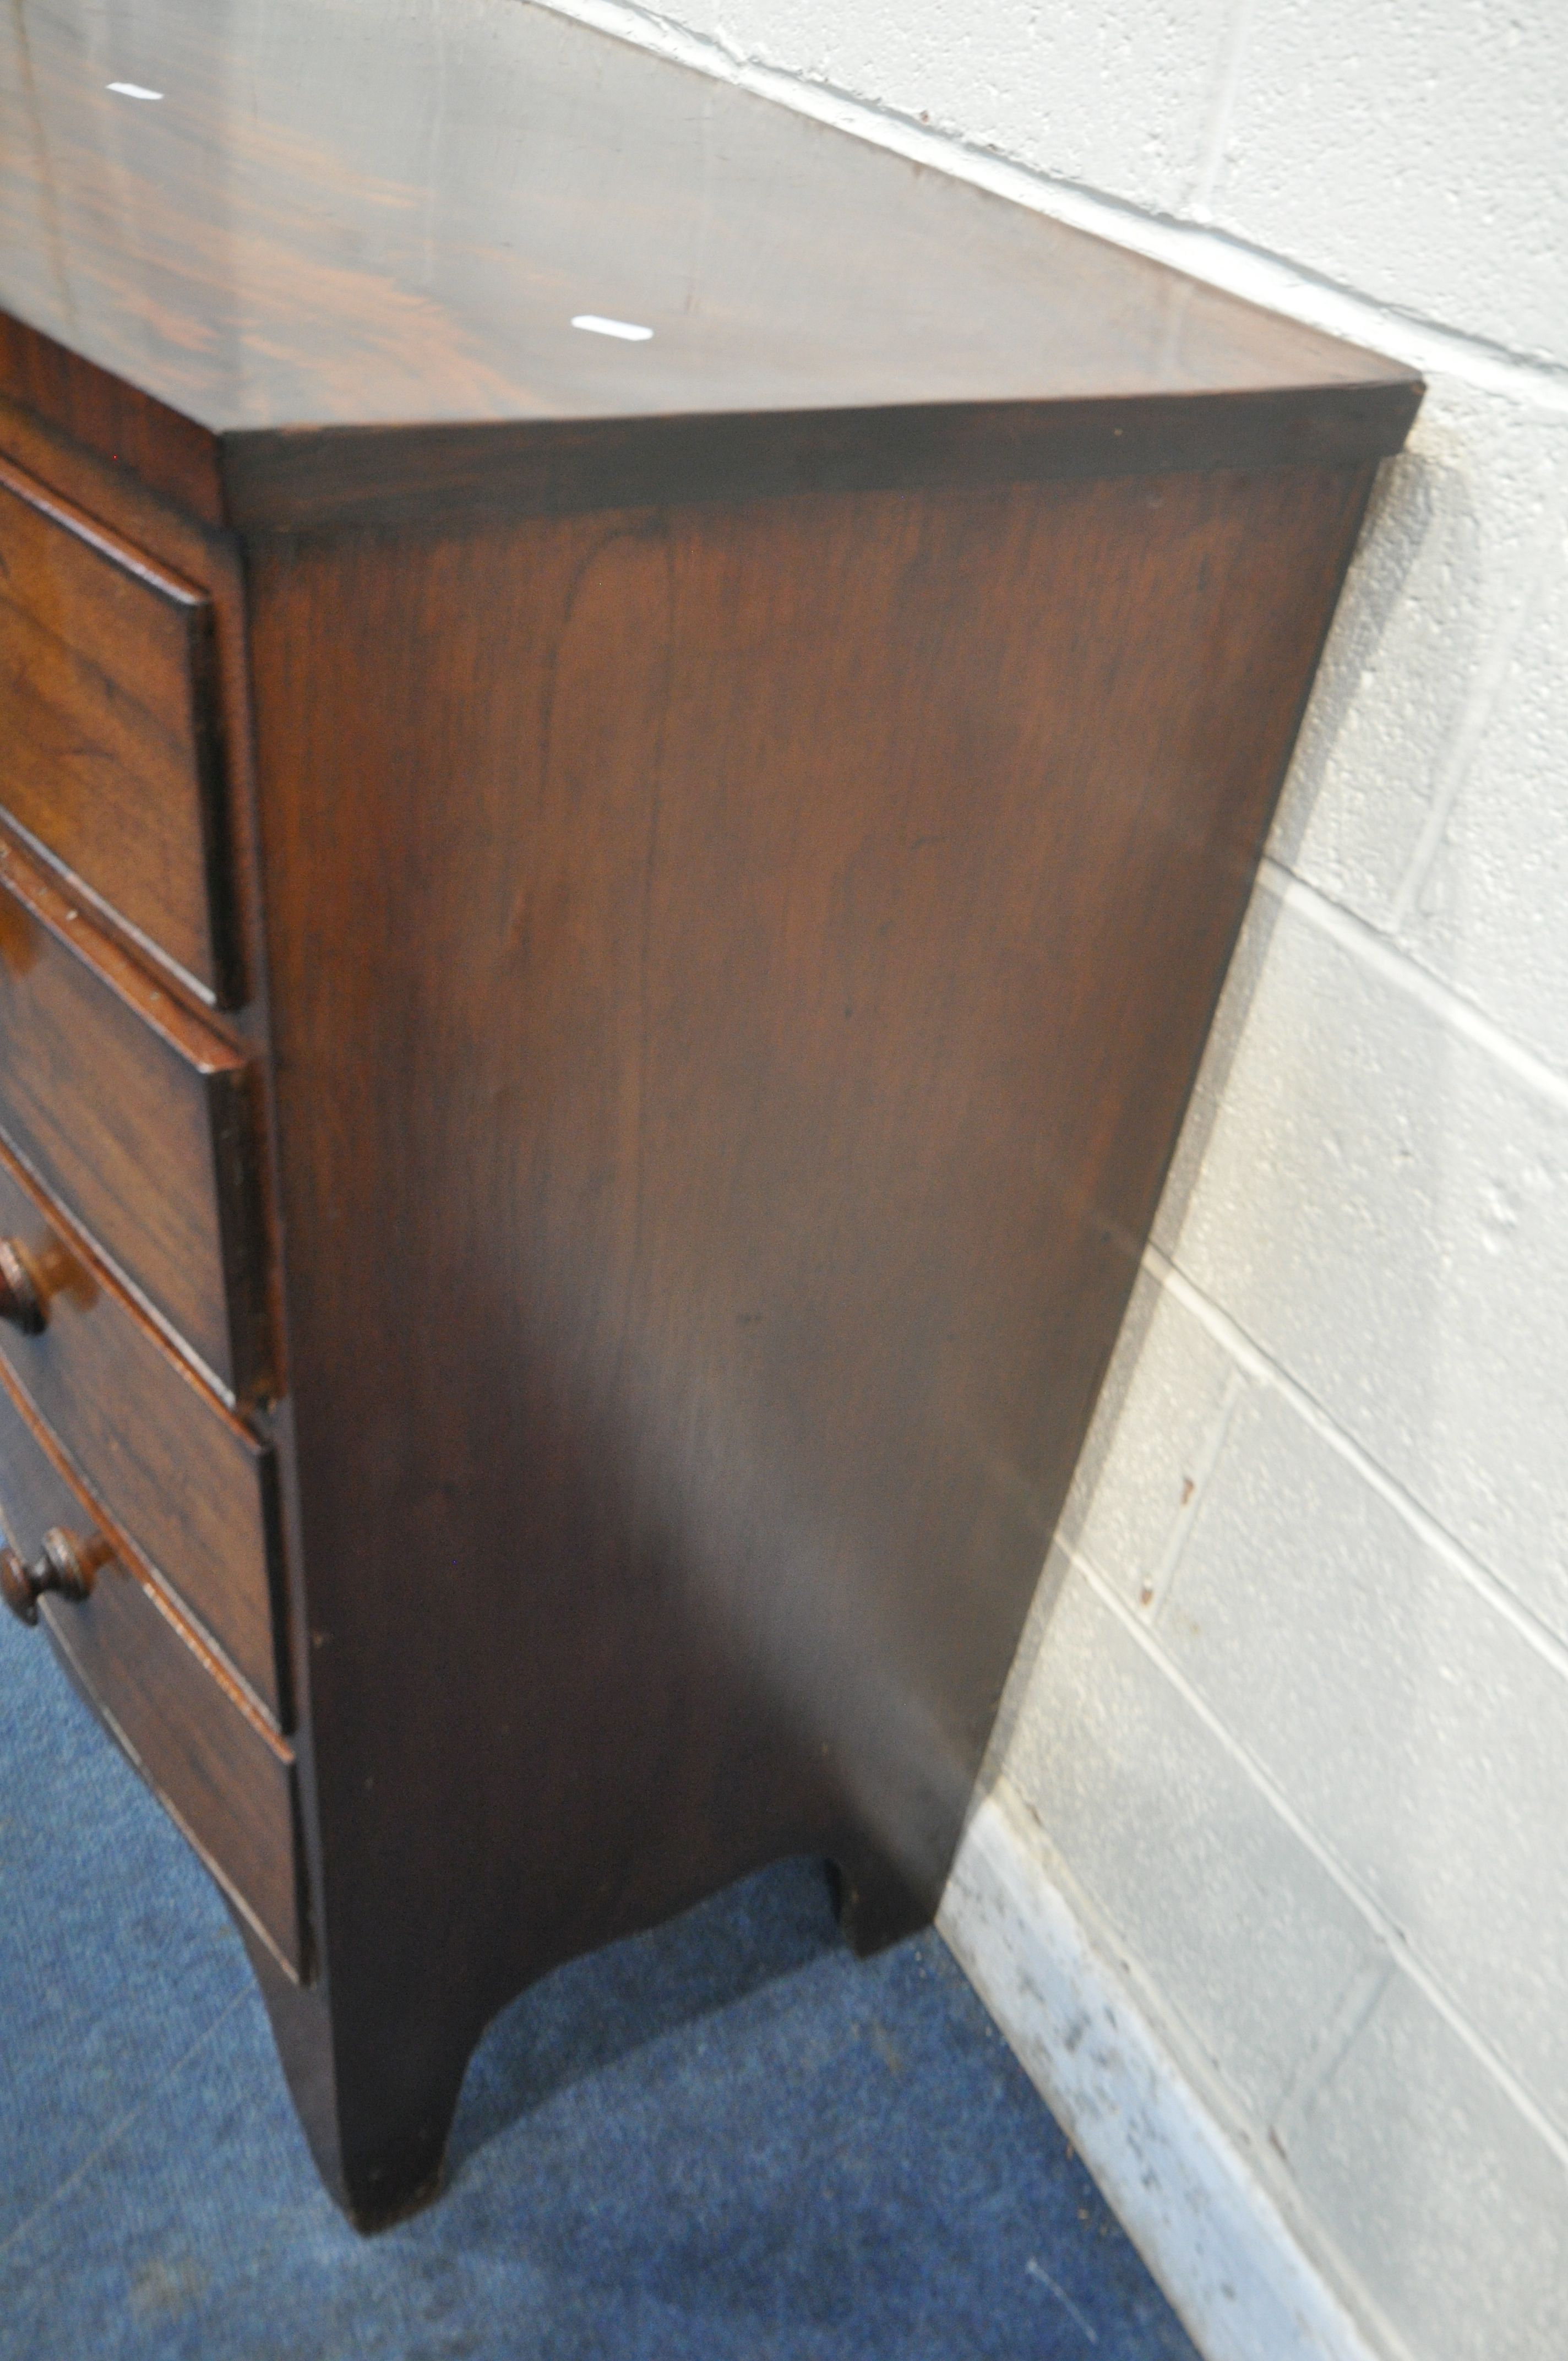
{"x": 225, "y": 1777}
{"x": 737, "y": 978}
{"x": 108, "y": 724}
{"x": 188, "y": 1482}
{"x": 130, "y": 1112}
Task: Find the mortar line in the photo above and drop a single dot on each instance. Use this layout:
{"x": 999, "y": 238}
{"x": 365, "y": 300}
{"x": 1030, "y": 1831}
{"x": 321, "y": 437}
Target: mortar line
{"x": 1330, "y": 2044}
{"x": 1215, "y": 257}
{"x": 1385, "y": 1927}
{"x": 1238, "y": 39}
{"x": 1189, "y": 2059}
{"x": 1205, "y": 1461}
{"x": 1258, "y": 276}
{"x": 1478, "y": 709}
{"x": 1386, "y": 957}
{"x": 1258, "y": 1364}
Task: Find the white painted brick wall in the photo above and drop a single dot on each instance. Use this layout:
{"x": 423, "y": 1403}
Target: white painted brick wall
{"x": 1117, "y": 99}
{"x": 1148, "y": 1807}
{"x": 1291, "y": 1723}
{"x": 1413, "y": 150}
{"x": 1434, "y": 2188}
{"x": 1382, "y": 1206}
{"x": 1448, "y": 578}
{"x": 1413, "y": 1730}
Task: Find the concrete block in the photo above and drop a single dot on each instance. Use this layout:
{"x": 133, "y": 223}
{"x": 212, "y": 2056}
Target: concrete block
{"x": 1415, "y": 153}
{"x": 1189, "y": 2195}
{"x": 1411, "y": 1725}
{"x": 1383, "y": 1207}
{"x": 1248, "y": 1941}
{"x": 1117, "y": 99}
{"x": 1488, "y": 917}
{"x": 1439, "y": 584}
{"x": 1445, "y": 2200}
{"x": 1165, "y": 1402}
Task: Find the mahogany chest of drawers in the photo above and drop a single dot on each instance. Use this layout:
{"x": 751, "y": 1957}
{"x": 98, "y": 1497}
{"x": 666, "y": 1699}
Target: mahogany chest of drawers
{"x": 633, "y": 737}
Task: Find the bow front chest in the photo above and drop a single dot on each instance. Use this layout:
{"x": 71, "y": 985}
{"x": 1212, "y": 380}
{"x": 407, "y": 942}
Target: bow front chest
{"x": 633, "y": 737}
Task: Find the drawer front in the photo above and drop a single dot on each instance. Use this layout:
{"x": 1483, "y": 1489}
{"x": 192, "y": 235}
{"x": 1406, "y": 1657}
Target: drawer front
{"x": 185, "y": 1481}
{"x": 132, "y": 1115}
{"x": 108, "y": 726}
{"x": 226, "y": 1778}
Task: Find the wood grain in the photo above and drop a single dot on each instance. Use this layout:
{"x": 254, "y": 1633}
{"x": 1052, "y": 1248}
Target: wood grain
{"x": 212, "y": 1761}
{"x": 735, "y": 841}
{"x": 717, "y": 1133}
{"x": 108, "y": 726}
{"x": 338, "y": 476}
{"x": 185, "y": 1480}
{"x": 183, "y": 547}
{"x": 270, "y": 251}
{"x": 134, "y": 1115}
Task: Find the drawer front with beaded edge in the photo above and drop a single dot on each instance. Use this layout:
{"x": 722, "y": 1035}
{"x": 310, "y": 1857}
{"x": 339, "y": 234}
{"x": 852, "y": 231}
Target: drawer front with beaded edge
{"x": 211, "y": 1758}
{"x": 190, "y": 1484}
{"x": 137, "y": 1117}
{"x": 109, "y": 729}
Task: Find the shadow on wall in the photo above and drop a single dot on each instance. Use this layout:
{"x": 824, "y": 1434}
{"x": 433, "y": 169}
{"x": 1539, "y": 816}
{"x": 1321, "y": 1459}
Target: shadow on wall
{"x": 1415, "y": 500}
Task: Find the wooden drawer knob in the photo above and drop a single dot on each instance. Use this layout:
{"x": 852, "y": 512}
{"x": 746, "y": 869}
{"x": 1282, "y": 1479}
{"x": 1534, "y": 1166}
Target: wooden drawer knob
{"x": 21, "y": 1298}
{"x": 65, "y": 1564}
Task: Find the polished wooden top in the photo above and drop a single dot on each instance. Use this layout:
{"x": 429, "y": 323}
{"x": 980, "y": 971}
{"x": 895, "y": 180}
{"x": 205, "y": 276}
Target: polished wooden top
{"x": 340, "y": 212}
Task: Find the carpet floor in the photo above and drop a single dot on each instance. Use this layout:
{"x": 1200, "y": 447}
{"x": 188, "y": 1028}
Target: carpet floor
{"x": 723, "y": 2141}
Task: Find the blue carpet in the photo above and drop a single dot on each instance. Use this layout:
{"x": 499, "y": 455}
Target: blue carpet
{"x": 722, "y": 2139}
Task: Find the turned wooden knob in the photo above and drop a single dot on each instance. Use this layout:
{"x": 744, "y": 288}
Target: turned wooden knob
{"x": 65, "y": 1564}
{"x": 21, "y": 1298}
